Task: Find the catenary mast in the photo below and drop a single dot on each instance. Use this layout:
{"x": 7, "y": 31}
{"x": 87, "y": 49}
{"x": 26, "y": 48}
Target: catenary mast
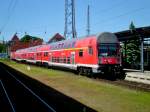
{"x": 88, "y": 21}
{"x": 70, "y": 30}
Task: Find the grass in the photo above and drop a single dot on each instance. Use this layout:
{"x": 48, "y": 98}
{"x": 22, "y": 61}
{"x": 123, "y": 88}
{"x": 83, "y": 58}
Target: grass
{"x": 100, "y": 96}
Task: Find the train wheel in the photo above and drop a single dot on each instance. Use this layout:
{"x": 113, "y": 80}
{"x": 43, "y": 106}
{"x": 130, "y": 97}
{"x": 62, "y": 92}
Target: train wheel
{"x": 46, "y": 65}
{"x": 80, "y": 70}
{"x": 89, "y": 72}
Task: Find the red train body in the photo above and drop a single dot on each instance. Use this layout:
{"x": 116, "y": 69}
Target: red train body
{"x": 98, "y": 54}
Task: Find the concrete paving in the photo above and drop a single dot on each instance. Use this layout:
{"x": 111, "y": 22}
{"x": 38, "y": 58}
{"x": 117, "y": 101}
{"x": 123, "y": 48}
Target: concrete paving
{"x": 138, "y": 76}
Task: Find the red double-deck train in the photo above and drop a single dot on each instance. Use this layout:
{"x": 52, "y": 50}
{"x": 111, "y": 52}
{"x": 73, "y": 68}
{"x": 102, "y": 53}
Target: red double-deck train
{"x": 92, "y": 55}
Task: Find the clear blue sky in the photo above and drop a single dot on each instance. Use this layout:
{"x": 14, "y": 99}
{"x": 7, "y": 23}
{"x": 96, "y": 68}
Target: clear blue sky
{"x": 39, "y": 16}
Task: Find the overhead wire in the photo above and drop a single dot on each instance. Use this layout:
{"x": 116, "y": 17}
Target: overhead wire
{"x": 10, "y": 5}
{"x": 113, "y": 6}
{"x": 104, "y": 21}
{"x": 109, "y": 8}
{"x": 121, "y": 15}
{"x": 11, "y": 8}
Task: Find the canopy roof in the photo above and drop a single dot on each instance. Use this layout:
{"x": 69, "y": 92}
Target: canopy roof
{"x": 143, "y": 32}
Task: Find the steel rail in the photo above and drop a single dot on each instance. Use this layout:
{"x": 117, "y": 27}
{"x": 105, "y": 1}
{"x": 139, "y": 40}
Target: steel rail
{"x": 13, "y": 109}
{"x": 26, "y": 87}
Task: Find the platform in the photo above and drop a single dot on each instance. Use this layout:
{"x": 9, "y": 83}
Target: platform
{"x": 138, "y": 76}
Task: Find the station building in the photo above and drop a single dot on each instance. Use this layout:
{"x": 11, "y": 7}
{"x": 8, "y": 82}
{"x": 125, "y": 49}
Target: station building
{"x": 15, "y": 43}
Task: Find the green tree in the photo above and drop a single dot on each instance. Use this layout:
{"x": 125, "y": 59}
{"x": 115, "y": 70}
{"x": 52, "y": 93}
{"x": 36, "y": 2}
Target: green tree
{"x": 132, "y": 49}
{"x": 28, "y": 38}
{"x": 2, "y": 48}
{"x": 25, "y": 38}
{"x": 132, "y": 26}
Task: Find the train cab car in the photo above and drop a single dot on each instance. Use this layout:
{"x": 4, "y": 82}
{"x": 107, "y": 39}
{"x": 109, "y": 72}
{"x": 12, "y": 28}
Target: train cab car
{"x": 98, "y": 54}
{"x": 109, "y": 56}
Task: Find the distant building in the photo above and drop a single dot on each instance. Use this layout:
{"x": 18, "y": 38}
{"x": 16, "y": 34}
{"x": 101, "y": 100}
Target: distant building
{"x": 56, "y": 37}
{"x": 15, "y": 38}
{"x": 15, "y": 43}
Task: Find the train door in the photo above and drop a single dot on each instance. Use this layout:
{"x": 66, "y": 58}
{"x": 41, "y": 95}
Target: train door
{"x": 34, "y": 56}
{"x": 50, "y": 57}
{"x": 72, "y": 57}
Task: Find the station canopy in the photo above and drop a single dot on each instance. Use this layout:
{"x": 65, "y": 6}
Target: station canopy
{"x": 143, "y": 32}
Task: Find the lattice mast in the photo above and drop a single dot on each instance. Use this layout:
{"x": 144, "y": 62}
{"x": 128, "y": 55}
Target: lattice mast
{"x": 70, "y": 30}
{"x": 88, "y": 21}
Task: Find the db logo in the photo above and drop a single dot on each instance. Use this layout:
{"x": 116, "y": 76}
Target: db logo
{"x": 108, "y": 61}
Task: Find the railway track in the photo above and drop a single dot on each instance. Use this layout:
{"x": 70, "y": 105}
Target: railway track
{"x": 26, "y": 94}
{"x": 20, "y": 93}
{"x": 5, "y": 102}
{"x": 134, "y": 85}
{"x": 128, "y": 84}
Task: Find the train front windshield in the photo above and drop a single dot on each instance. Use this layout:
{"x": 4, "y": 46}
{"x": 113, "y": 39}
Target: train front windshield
{"x": 108, "y": 50}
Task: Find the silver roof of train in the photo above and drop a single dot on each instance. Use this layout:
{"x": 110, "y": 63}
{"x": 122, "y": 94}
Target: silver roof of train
{"x": 106, "y": 37}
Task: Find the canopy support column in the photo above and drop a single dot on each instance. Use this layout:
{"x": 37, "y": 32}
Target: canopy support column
{"x": 142, "y": 54}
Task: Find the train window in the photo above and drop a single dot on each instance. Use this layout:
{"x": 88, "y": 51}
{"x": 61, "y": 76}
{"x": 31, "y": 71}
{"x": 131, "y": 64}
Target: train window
{"x": 90, "y": 50}
{"x": 60, "y": 60}
{"x": 80, "y": 52}
{"x": 40, "y": 54}
{"x": 45, "y": 53}
{"x": 64, "y": 60}
{"x": 52, "y": 59}
{"x": 57, "y": 60}
{"x": 108, "y": 50}
{"x": 68, "y": 60}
